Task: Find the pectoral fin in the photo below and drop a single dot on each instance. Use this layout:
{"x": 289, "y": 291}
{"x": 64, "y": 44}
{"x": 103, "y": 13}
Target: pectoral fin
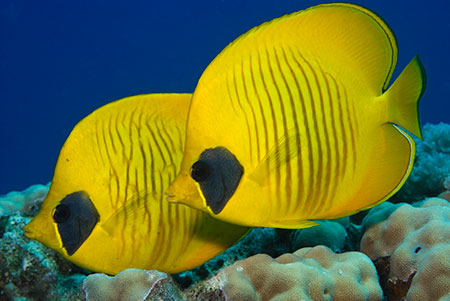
{"x": 281, "y": 153}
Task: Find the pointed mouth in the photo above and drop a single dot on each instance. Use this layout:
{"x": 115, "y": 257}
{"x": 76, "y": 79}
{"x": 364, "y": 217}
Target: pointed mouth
{"x": 171, "y": 197}
{"x": 183, "y": 190}
{"x": 193, "y": 201}
{"x": 30, "y": 232}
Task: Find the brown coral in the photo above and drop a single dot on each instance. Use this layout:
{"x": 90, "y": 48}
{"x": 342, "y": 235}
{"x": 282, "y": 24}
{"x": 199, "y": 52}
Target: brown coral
{"x": 131, "y": 284}
{"x": 410, "y": 238}
{"x": 310, "y": 273}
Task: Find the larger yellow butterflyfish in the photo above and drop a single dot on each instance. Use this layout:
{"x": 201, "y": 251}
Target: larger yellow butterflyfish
{"x": 105, "y": 210}
{"x": 294, "y": 121}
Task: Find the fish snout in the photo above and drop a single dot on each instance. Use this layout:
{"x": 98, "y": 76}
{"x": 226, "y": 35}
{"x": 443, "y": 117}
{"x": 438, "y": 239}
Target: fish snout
{"x": 32, "y": 229}
{"x": 29, "y": 232}
{"x": 171, "y": 197}
{"x": 41, "y": 228}
{"x": 185, "y": 191}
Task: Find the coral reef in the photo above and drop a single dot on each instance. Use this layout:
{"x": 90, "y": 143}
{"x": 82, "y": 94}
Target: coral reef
{"x": 19, "y": 200}
{"x": 411, "y": 248}
{"x": 330, "y": 233}
{"x": 259, "y": 240}
{"x": 409, "y": 245}
{"x": 27, "y": 268}
{"x": 431, "y": 167}
{"x": 273, "y": 242}
{"x": 130, "y": 284}
{"x": 435, "y": 265}
{"x": 310, "y": 273}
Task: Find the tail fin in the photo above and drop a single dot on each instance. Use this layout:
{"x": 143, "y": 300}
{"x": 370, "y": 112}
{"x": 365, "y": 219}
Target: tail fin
{"x": 403, "y": 97}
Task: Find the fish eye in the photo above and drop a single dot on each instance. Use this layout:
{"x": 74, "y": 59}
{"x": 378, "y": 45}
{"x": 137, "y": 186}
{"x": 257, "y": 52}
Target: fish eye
{"x": 200, "y": 171}
{"x": 61, "y": 214}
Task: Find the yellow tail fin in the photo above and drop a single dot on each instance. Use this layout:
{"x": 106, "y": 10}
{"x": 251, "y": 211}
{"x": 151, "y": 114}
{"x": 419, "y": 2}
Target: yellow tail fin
{"x": 404, "y": 95}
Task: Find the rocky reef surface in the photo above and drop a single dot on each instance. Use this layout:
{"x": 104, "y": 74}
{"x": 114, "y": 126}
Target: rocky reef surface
{"x": 399, "y": 249}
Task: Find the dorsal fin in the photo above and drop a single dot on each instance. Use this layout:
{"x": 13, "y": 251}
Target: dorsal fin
{"x": 361, "y": 36}
{"x": 346, "y": 38}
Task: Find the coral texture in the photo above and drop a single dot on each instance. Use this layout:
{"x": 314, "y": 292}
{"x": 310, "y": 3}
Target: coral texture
{"x": 415, "y": 243}
{"x": 432, "y": 282}
{"x": 309, "y": 273}
{"x": 330, "y": 233}
{"x": 431, "y": 167}
{"x": 131, "y": 284}
{"x": 18, "y": 200}
{"x": 274, "y": 242}
{"x": 28, "y": 269}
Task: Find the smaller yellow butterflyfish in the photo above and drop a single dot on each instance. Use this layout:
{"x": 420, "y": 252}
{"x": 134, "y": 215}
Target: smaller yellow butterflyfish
{"x": 105, "y": 210}
{"x": 294, "y": 121}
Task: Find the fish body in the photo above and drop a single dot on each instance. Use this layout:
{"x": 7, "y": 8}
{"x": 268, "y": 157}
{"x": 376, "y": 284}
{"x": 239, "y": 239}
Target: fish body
{"x": 105, "y": 209}
{"x": 299, "y": 109}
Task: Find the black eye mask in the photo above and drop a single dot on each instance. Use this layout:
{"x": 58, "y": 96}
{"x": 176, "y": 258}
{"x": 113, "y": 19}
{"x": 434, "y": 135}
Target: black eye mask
{"x": 218, "y": 172}
{"x": 76, "y": 217}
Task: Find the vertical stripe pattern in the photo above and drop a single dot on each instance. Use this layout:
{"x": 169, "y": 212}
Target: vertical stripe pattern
{"x": 293, "y": 107}
{"x": 142, "y": 153}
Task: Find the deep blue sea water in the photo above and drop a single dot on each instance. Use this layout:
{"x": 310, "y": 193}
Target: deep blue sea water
{"x": 60, "y": 60}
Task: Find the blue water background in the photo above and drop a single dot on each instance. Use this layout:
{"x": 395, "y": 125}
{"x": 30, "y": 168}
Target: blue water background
{"x": 60, "y": 60}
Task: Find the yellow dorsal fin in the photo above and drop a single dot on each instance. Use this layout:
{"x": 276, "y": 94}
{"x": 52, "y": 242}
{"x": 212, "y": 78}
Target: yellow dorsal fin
{"x": 347, "y": 39}
{"x": 369, "y": 44}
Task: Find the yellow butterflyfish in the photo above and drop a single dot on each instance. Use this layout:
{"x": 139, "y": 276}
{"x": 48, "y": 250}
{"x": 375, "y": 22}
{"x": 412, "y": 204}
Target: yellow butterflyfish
{"x": 105, "y": 210}
{"x": 294, "y": 121}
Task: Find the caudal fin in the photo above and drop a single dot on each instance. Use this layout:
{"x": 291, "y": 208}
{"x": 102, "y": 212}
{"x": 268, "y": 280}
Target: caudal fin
{"x": 404, "y": 95}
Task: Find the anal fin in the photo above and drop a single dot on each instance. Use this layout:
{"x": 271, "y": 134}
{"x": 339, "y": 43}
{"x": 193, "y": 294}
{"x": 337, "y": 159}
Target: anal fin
{"x": 388, "y": 169}
{"x": 293, "y": 224}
